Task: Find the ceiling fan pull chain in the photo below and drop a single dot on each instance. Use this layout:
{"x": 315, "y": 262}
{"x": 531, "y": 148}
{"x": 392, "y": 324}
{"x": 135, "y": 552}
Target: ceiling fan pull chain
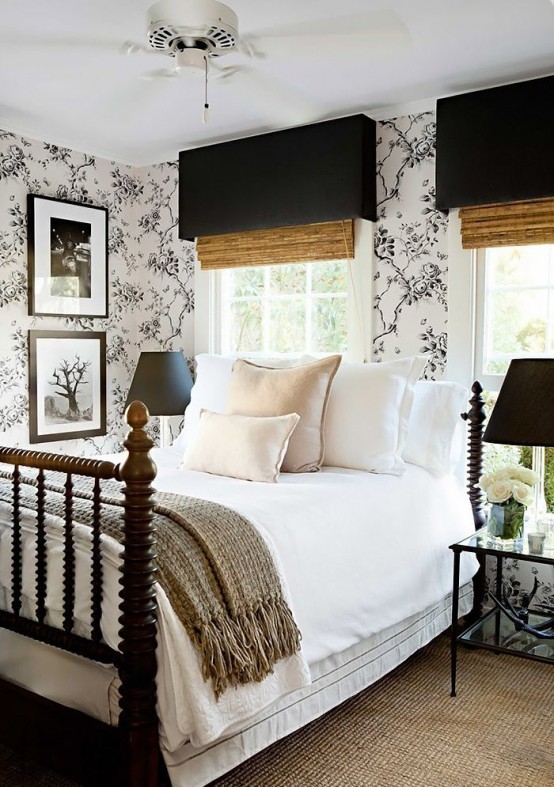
{"x": 205, "y": 113}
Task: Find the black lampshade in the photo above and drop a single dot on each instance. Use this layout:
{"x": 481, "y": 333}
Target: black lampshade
{"x": 162, "y": 381}
{"x": 524, "y": 411}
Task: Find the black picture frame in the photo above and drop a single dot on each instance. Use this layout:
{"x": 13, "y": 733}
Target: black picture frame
{"x": 67, "y": 254}
{"x": 77, "y": 359}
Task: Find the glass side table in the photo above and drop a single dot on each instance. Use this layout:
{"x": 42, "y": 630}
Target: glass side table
{"x": 494, "y": 630}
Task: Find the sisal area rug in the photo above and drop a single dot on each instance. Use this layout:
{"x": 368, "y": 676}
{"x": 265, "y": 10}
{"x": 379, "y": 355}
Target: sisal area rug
{"x": 407, "y": 732}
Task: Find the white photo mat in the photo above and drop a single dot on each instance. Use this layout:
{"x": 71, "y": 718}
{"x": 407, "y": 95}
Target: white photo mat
{"x": 67, "y": 385}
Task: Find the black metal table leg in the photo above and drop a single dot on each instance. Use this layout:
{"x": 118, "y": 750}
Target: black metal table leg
{"x": 499, "y": 564}
{"x": 454, "y": 629}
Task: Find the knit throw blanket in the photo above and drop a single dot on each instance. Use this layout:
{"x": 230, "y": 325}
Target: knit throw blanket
{"x": 215, "y": 569}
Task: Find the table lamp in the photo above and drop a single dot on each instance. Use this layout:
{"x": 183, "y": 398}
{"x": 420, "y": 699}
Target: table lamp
{"x": 524, "y": 414}
{"x": 162, "y": 381}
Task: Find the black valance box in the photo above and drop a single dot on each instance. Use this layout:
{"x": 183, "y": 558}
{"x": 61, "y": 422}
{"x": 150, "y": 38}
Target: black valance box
{"x": 497, "y": 145}
{"x": 316, "y": 173}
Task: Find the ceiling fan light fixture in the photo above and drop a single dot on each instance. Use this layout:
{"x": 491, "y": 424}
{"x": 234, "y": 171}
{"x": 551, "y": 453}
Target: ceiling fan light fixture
{"x": 192, "y": 60}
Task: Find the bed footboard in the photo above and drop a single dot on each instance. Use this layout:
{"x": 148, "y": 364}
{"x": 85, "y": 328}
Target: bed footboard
{"x": 136, "y": 657}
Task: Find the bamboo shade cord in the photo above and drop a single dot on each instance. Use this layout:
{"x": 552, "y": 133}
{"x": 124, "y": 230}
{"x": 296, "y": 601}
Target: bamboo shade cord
{"x": 512, "y": 224}
{"x": 332, "y": 240}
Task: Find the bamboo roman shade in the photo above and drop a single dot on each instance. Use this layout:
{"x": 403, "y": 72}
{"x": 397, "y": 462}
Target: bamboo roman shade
{"x": 332, "y": 240}
{"x": 511, "y": 224}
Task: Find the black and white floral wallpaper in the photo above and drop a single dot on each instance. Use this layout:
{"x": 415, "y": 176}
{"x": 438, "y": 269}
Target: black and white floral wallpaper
{"x": 151, "y": 273}
{"x": 410, "y": 246}
{"x": 518, "y": 578}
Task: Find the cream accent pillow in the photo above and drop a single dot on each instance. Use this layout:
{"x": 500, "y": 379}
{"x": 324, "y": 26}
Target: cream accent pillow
{"x": 258, "y": 390}
{"x": 367, "y": 418}
{"x": 211, "y": 386}
{"x": 240, "y": 446}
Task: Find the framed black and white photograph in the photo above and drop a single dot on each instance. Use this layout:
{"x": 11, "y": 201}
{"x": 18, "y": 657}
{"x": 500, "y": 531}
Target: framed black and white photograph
{"x": 67, "y": 385}
{"x": 68, "y": 258}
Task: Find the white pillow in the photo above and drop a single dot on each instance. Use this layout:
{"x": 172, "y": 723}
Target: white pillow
{"x": 209, "y": 392}
{"x": 240, "y": 446}
{"x": 367, "y": 415}
{"x": 434, "y": 424}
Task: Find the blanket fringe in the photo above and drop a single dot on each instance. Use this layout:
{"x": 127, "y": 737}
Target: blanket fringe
{"x": 244, "y": 648}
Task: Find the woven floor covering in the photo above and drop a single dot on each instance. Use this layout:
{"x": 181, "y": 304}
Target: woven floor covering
{"x": 408, "y": 732}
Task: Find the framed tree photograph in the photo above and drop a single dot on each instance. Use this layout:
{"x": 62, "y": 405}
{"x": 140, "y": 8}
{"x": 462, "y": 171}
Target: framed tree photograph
{"x": 67, "y": 250}
{"x": 67, "y": 385}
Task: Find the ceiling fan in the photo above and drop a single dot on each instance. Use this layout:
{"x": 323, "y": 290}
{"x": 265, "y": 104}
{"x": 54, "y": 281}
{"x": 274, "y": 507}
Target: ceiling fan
{"x": 197, "y": 34}
{"x": 202, "y": 38}
{"x": 194, "y": 33}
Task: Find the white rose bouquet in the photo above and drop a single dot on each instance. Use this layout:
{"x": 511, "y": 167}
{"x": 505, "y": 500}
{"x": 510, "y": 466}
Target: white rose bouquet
{"x": 509, "y": 482}
{"x": 511, "y": 488}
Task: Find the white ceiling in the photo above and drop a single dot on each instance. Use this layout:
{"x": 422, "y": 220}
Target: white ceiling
{"x": 64, "y": 80}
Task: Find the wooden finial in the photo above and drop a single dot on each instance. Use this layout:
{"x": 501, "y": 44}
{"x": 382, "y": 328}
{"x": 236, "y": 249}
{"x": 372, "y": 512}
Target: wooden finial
{"x": 137, "y": 415}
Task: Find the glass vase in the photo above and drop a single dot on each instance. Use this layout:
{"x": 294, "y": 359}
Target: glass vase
{"x": 505, "y": 524}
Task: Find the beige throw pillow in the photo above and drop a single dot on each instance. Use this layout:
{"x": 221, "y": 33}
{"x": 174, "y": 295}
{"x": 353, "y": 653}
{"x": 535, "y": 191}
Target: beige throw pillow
{"x": 240, "y": 446}
{"x": 260, "y": 391}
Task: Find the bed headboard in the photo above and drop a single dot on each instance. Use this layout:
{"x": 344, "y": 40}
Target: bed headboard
{"x": 475, "y": 418}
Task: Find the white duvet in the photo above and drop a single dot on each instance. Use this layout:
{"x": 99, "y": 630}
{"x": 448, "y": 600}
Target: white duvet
{"x": 357, "y": 552}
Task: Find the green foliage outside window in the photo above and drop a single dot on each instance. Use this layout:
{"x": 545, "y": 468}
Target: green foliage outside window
{"x": 286, "y": 309}
{"x": 518, "y": 304}
{"x": 526, "y": 455}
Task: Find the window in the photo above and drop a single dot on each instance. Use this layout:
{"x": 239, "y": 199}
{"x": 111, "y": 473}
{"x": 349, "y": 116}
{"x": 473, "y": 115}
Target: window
{"x": 515, "y": 308}
{"x": 514, "y": 318}
{"x": 314, "y": 308}
{"x": 500, "y": 305}
{"x": 280, "y": 309}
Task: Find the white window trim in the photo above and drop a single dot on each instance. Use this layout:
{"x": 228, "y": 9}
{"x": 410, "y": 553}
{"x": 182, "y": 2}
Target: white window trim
{"x": 490, "y": 382}
{"x": 207, "y": 301}
{"x": 462, "y": 275}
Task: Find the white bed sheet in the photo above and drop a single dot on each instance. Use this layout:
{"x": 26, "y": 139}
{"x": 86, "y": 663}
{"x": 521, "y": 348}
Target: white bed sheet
{"x": 358, "y": 553}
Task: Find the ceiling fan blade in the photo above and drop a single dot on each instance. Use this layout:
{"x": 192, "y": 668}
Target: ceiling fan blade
{"x": 225, "y": 72}
{"x": 377, "y": 31}
{"x": 134, "y": 48}
{"x": 275, "y": 100}
{"x": 371, "y": 22}
{"x": 61, "y": 45}
{"x": 160, "y": 73}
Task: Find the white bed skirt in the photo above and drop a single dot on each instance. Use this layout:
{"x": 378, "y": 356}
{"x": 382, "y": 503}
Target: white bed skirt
{"x": 335, "y": 679}
{"x": 92, "y": 688}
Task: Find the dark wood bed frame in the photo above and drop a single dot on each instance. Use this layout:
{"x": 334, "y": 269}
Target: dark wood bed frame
{"x": 82, "y": 748}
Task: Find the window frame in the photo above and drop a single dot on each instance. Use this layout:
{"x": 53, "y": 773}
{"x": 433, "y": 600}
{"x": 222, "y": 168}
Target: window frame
{"x": 490, "y": 382}
{"x": 208, "y": 302}
{"x": 466, "y": 295}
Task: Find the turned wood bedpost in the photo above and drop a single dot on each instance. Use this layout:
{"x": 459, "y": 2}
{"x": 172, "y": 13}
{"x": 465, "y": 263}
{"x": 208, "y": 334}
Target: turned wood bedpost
{"x": 475, "y": 417}
{"x": 138, "y": 722}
